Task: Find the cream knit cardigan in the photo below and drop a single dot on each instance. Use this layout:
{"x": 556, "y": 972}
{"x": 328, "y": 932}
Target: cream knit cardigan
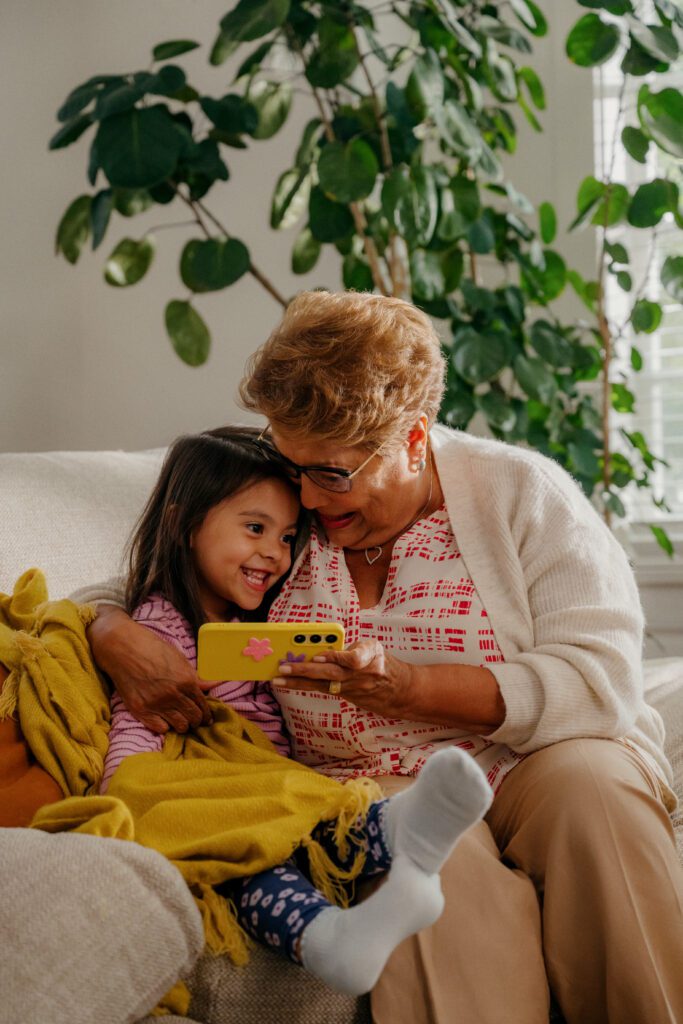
{"x": 559, "y": 593}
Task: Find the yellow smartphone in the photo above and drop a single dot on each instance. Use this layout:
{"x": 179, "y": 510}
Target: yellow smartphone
{"x": 254, "y": 650}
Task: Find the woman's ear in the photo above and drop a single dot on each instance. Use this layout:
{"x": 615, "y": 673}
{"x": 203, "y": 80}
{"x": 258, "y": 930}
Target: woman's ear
{"x": 418, "y": 443}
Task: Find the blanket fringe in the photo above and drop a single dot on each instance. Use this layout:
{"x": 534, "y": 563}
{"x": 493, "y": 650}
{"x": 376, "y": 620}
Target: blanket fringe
{"x": 9, "y": 696}
{"x": 222, "y": 931}
{"x": 177, "y": 1002}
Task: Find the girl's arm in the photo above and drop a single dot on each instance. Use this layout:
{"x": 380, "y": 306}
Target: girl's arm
{"x": 127, "y": 736}
{"x": 155, "y": 681}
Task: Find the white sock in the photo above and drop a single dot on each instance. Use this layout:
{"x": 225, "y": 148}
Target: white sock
{"x": 347, "y": 949}
{"x": 425, "y": 821}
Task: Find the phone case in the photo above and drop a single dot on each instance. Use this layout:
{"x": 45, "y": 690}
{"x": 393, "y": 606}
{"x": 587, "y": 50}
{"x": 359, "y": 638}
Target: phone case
{"x": 254, "y": 650}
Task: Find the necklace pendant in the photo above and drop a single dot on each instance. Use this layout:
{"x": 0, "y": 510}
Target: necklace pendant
{"x": 371, "y": 559}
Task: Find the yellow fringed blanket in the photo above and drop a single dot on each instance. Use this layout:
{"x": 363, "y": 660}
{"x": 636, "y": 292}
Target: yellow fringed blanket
{"x": 220, "y": 803}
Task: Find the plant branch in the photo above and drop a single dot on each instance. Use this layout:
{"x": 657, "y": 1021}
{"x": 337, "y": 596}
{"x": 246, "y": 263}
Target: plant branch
{"x": 398, "y": 268}
{"x": 356, "y": 211}
{"x": 253, "y": 270}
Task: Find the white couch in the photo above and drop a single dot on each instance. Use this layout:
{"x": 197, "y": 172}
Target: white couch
{"x": 69, "y": 514}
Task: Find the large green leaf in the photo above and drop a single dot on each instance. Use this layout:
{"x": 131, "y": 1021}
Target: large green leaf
{"x": 672, "y": 277}
{"x": 612, "y": 207}
{"x": 71, "y": 131}
{"x": 498, "y": 410}
{"x": 290, "y": 198}
{"x": 426, "y": 85}
{"x": 548, "y": 222}
{"x": 309, "y": 145}
{"x": 535, "y": 378}
{"x": 173, "y": 48}
{"x": 336, "y": 57}
{"x": 530, "y": 16}
{"x": 589, "y": 195}
{"x": 426, "y": 275}
{"x": 500, "y": 74}
{"x": 592, "y": 41}
{"x": 100, "y": 212}
{"x": 305, "y": 252}
{"x": 83, "y": 95}
{"x": 635, "y": 143}
{"x": 646, "y": 316}
{"x": 479, "y": 356}
{"x": 550, "y": 345}
{"x": 328, "y": 220}
{"x": 74, "y": 229}
{"x": 534, "y": 86}
{"x": 651, "y": 201}
{"x": 661, "y": 116}
{"x": 272, "y": 101}
{"x": 251, "y": 19}
{"x": 347, "y": 172}
{"x": 188, "y": 333}
{"x": 546, "y": 282}
{"x": 410, "y": 203}
{"x": 458, "y": 131}
{"x": 493, "y": 28}
{"x": 139, "y": 148}
{"x": 613, "y": 6}
{"x": 208, "y": 266}
{"x": 657, "y": 41}
{"x": 129, "y": 262}
{"x": 231, "y": 113}
{"x": 356, "y": 274}
{"x": 131, "y": 201}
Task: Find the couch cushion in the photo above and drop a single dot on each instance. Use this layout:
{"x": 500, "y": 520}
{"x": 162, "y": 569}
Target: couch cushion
{"x": 70, "y": 513}
{"x": 91, "y": 930}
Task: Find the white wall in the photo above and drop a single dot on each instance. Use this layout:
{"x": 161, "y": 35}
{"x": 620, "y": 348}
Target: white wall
{"x": 84, "y": 365}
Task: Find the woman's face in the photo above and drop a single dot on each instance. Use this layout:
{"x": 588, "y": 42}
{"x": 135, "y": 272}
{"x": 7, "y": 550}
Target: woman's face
{"x": 384, "y": 497}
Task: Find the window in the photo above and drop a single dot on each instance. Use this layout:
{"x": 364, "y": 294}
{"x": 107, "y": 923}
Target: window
{"x": 659, "y": 385}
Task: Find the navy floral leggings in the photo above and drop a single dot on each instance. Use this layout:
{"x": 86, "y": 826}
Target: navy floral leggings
{"x": 276, "y": 905}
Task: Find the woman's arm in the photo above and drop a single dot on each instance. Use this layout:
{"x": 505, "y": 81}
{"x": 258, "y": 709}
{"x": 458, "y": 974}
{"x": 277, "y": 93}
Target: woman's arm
{"x": 155, "y": 681}
{"x": 461, "y": 696}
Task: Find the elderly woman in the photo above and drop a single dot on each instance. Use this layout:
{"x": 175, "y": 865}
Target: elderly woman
{"x": 486, "y": 606}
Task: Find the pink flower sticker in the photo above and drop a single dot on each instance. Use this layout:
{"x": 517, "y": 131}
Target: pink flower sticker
{"x": 258, "y": 649}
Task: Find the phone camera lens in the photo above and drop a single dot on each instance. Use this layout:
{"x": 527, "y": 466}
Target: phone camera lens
{"x": 330, "y": 638}
{"x": 316, "y": 638}
{"x": 299, "y": 638}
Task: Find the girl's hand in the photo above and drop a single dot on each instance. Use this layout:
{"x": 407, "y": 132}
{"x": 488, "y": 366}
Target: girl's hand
{"x": 155, "y": 681}
{"x": 368, "y": 676}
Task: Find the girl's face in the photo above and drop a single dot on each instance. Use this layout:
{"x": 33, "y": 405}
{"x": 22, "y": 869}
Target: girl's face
{"x": 244, "y": 546}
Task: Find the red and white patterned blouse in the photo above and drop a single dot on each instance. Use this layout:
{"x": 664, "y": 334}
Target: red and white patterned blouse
{"x": 429, "y": 613}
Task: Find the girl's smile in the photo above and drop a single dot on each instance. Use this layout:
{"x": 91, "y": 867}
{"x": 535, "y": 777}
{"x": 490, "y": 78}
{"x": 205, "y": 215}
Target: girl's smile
{"x": 243, "y": 546}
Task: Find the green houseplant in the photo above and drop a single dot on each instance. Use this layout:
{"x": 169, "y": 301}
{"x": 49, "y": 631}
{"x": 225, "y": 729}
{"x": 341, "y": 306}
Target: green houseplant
{"x": 400, "y": 172}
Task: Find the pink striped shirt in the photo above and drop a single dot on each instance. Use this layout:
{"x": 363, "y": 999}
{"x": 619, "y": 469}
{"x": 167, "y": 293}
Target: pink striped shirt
{"x": 254, "y": 700}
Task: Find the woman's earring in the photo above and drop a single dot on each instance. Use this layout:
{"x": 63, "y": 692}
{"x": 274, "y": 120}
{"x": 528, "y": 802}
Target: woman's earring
{"x": 422, "y": 464}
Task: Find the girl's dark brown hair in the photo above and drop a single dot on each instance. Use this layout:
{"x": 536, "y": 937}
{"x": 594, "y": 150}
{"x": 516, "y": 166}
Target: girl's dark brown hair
{"x": 199, "y": 471}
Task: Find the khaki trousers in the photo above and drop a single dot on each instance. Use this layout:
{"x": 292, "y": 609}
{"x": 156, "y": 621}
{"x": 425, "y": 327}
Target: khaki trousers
{"x": 572, "y": 880}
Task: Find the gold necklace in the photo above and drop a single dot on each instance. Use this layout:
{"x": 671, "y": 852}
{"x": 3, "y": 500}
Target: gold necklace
{"x": 371, "y": 559}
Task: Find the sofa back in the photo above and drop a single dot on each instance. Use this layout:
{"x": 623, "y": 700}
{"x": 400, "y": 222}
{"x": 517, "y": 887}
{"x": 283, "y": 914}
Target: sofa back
{"x": 70, "y": 513}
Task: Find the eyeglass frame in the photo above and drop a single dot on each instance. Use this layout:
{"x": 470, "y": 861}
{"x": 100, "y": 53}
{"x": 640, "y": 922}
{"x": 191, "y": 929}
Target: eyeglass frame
{"x": 299, "y": 471}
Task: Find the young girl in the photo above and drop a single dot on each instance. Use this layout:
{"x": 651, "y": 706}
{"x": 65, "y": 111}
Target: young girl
{"x": 216, "y": 537}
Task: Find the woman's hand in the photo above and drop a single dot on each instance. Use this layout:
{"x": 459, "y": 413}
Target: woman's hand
{"x": 155, "y": 681}
{"x": 367, "y": 674}
{"x": 466, "y": 697}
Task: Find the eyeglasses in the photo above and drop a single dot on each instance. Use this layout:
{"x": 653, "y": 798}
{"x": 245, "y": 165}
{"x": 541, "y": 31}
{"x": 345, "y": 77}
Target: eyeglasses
{"x": 330, "y": 478}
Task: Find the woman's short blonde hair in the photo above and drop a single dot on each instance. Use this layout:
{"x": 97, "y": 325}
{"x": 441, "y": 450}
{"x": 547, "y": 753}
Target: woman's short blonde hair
{"x": 353, "y": 368}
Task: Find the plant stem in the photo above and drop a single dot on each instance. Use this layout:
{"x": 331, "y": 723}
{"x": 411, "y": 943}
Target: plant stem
{"x": 356, "y": 211}
{"x": 398, "y": 267}
{"x": 253, "y": 270}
